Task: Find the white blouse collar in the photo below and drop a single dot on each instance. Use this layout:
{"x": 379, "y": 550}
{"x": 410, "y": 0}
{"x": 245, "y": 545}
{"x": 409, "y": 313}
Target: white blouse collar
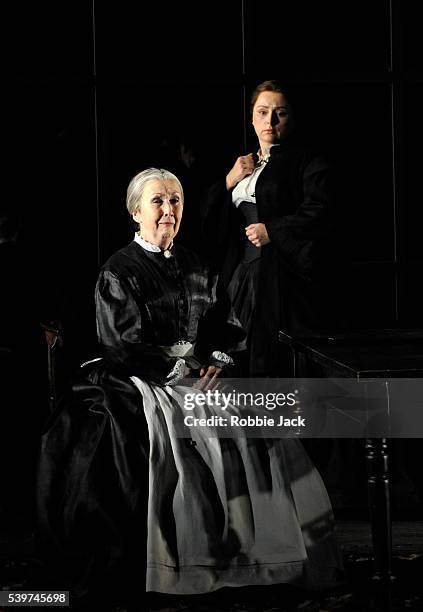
{"x": 265, "y": 158}
{"x": 147, "y": 246}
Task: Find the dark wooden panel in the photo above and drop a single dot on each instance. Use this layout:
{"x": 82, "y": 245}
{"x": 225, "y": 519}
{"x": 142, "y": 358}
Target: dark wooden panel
{"x": 136, "y": 40}
{"x": 411, "y": 35}
{"x": 368, "y": 293}
{"x": 322, "y": 36}
{"x": 411, "y": 210}
{"x": 410, "y": 294}
{"x": 52, "y": 177}
{"x": 49, "y": 39}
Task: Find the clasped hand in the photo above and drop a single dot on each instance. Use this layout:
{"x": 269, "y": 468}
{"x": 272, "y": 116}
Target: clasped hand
{"x": 243, "y": 166}
{"x": 257, "y": 234}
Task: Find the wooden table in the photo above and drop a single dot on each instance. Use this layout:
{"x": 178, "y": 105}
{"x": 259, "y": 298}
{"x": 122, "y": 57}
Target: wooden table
{"x": 363, "y": 355}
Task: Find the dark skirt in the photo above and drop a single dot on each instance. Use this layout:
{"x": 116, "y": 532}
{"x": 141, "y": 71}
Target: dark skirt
{"x": 92, "y": 489}
{"x": 111, "y": 466}
{"x": 242, "y": 291}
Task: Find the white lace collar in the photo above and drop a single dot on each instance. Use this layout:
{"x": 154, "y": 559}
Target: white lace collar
{"x": 153, "y": 248}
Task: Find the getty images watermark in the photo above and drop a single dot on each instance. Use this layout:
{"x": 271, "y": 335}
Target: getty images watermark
{"x": 306, "y": 407}
{"x": 241, "y": 409}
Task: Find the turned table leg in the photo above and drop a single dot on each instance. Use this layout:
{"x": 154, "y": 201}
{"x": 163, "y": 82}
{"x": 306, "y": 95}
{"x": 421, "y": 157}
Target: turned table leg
{"x": 379, "y": 505}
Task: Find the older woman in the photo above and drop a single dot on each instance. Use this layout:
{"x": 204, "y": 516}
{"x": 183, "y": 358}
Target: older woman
{"x": 154, "y": 296}
{"x": 122, "y": 496}
{"x": 268, "y": 224}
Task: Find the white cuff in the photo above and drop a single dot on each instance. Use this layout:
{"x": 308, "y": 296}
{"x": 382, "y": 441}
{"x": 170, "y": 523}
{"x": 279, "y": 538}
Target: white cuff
{"x": 220, "y": 360}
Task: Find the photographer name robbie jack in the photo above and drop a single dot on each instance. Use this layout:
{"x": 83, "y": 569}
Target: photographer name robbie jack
{"x": 248, "y": 421}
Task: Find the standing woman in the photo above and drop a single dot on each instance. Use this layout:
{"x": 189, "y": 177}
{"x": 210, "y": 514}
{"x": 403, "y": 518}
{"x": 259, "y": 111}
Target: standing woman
{"x": 268, "y": 225}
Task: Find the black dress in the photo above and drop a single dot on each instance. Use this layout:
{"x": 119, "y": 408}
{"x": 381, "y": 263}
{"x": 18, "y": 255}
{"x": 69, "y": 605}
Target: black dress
{"x": 243, "y": 287}
{"x": 120, "y": 494}
{"x": 294, "y": 277}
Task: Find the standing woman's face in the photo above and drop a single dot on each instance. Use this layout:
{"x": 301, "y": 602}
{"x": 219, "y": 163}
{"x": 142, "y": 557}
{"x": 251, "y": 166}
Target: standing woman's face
{"x": 271, "y": 118}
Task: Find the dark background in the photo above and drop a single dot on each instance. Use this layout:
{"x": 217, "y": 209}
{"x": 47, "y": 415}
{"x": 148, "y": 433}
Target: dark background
{"x": 98, "y": 91}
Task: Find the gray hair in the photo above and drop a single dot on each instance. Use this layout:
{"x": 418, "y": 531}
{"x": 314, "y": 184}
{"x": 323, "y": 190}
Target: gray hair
{"x": 137, "y": 185}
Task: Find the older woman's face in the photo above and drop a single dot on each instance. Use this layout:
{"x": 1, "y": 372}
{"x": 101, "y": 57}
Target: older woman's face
{"x": 160, "y": 211}
{"x": 271, "y": 118}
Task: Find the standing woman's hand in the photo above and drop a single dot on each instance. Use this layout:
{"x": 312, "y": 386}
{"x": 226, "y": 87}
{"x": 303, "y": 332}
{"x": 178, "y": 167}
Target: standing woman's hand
{"x": 257, "y": 234}
{"x": 243, "y": 166}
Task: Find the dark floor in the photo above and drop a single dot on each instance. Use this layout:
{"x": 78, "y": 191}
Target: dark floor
{"x": 358, "y": 592}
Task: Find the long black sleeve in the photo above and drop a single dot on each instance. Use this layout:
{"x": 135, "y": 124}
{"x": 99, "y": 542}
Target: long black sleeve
{"x": 300, "y": 236}
{"x": 120, "y": 331}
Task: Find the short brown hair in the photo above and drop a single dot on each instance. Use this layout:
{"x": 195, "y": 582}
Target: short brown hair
{"x": 272, "y": 85}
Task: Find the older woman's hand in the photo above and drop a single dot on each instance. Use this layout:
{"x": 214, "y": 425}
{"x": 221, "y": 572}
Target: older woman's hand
{"x": 257, "y": 234}
{"x": 243, "y": 166}
{"x": 208, "y": 375}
